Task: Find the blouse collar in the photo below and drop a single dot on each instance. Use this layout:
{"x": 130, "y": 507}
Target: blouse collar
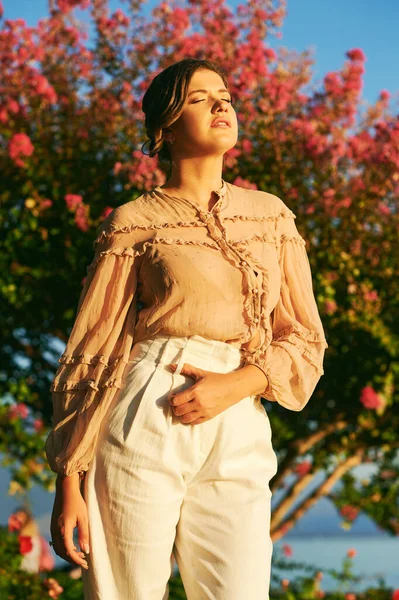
{"x": 221, "y": 192}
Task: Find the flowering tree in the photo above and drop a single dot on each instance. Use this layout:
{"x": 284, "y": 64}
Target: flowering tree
{"x": 71, "y": 129}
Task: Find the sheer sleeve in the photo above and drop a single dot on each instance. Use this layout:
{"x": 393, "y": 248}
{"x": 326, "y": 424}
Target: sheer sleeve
{"x": 293, "y": 361}
{"x": 94, "y": 359}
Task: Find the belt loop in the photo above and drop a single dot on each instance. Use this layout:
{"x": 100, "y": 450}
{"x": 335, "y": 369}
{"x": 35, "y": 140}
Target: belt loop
{"x": 179, "y": 366}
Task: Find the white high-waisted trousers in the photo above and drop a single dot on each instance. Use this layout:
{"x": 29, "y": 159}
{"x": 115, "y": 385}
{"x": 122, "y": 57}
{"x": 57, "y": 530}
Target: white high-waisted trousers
{"x": 157, "y": 486}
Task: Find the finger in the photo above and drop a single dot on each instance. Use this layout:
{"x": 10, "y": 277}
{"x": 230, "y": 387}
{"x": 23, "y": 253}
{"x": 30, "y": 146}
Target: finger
{"x": 188, "y": 418}
{"x": 71, "y": 549}
{"x": 197, "y": 421}
{"x": 83, "y": 534}
{"x": 57, "y": 535}
{"x": 60, "y": 551}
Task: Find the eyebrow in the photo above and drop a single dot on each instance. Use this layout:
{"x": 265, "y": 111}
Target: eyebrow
{"x": 205, "y": 91}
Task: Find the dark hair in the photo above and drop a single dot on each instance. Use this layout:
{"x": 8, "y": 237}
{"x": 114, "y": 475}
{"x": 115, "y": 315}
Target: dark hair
{"x": 164, "y": 99}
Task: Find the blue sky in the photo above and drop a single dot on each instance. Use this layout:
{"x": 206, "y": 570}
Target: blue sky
{"x": 328, "y": 27}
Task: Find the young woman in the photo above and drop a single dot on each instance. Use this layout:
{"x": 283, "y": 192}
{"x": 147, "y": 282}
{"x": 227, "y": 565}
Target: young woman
{"x": 198, "y": 303}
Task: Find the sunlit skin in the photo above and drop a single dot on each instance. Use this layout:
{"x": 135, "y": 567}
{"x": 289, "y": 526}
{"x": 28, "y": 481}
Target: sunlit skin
{"x": 197, "y": 153}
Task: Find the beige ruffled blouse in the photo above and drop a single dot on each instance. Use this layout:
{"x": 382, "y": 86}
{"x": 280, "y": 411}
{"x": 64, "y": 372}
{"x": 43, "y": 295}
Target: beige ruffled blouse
{"x": 238, "y": 273}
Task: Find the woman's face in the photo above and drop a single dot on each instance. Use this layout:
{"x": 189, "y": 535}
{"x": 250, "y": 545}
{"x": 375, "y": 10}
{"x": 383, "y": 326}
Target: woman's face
{"x": 193, "y": 131}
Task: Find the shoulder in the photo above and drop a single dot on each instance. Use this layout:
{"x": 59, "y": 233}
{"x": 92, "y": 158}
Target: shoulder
{"x": 262, "y": 203}
{"x": 134, "y": 212}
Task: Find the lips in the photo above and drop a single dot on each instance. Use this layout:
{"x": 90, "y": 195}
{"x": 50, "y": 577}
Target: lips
{"x": 220, "y": 120}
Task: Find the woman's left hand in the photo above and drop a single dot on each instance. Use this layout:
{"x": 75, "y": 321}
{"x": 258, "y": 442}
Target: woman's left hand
{"x": 210, "y": 395}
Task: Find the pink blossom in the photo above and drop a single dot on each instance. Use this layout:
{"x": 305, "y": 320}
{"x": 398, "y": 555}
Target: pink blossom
{"x": 303, "y": 468}
{"x": 38, "y": 425}
{"x": 351, "y": 552}
{"x": 384, "y": 209}
{"x": 107, "y": 210}
{"x": 287, "y": 549}
{"x": 330, "y": 306}
{"x": 245, "y": 183}
{"x": 370, "y": 399}
{"x": 18, "y": 411}
{"x": 25, "y": 544}
{"x": 20, "y": 146}
{"x": 54, "y": 587}
{"x": 81, "y": 217}
{"x": 371, "y": 295}
{"x": 117, "y": 167}
{"x": 46, "y": 203}
{"x": 356, "y": 54}
{"x": 72, "y": 201}
{"x": 47, "y": 561}
{"x": 395, "y": 595}
{"x": 350, "y": 596}
{"x": 13, "y": 106}
{"x": 14, "y": 523}
{"x": 246, "y": 146}
{"x": 349, "y": 512}
{"x": 66, "y": 6}
{"x": 121, "y": 18}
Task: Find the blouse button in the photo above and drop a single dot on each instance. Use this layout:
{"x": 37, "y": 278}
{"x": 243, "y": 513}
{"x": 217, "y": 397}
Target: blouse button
{"x": 243, "y": 263}
{"x": 255, "y": 290}
{"x": 256, "y": 320}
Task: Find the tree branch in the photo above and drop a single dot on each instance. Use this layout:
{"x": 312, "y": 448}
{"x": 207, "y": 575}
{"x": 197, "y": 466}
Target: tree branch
{"x": 278, "y": 529}
{"x": 300, "y": 447}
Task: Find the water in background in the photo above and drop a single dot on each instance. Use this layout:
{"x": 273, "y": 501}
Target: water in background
{"x": 375, "y": 555}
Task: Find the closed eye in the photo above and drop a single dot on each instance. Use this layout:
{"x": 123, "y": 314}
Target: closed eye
{"x": 225, "y": 99}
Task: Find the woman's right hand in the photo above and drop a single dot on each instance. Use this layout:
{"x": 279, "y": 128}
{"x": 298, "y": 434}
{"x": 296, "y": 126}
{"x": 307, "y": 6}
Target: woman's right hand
{"x": 70, "y": 511}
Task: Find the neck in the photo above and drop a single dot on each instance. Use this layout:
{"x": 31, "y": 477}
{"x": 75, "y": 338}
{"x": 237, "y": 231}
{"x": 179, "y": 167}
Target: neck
{"x": 198, "y": 183}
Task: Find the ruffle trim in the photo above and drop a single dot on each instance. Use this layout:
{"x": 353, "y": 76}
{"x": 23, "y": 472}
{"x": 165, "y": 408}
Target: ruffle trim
{"x": 129, "y": 228}
{"x": 71, "y": 442}
{"x": 133, "y": 253}
{"x": 84, "y": 384}
{"x": 297, "y": 239}
{"x": 88, "y": 359}
{"x": 284, "y": 214}
{"x": 310, "y": 336}
{"x": 103, "y": 374}
{"x": 221, "y": 243}
{"x": 265, "y": 237}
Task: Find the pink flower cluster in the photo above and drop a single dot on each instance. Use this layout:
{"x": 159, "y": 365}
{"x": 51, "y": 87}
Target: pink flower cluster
{"x": 25, "y": 544}
{"x": 54, "y": 588}
{"x": 18, "y": 411}
{"x": 287, "y": 549}
{"x": 75, "y": 204}
{"x": 65, "y": 6}
{"x": 72, "y": 201}
{"x": 303, "y": 468}
{"x": 19, "y": 147}
{"x": 370, "y": 399}
{"x": 349, "y": 512}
